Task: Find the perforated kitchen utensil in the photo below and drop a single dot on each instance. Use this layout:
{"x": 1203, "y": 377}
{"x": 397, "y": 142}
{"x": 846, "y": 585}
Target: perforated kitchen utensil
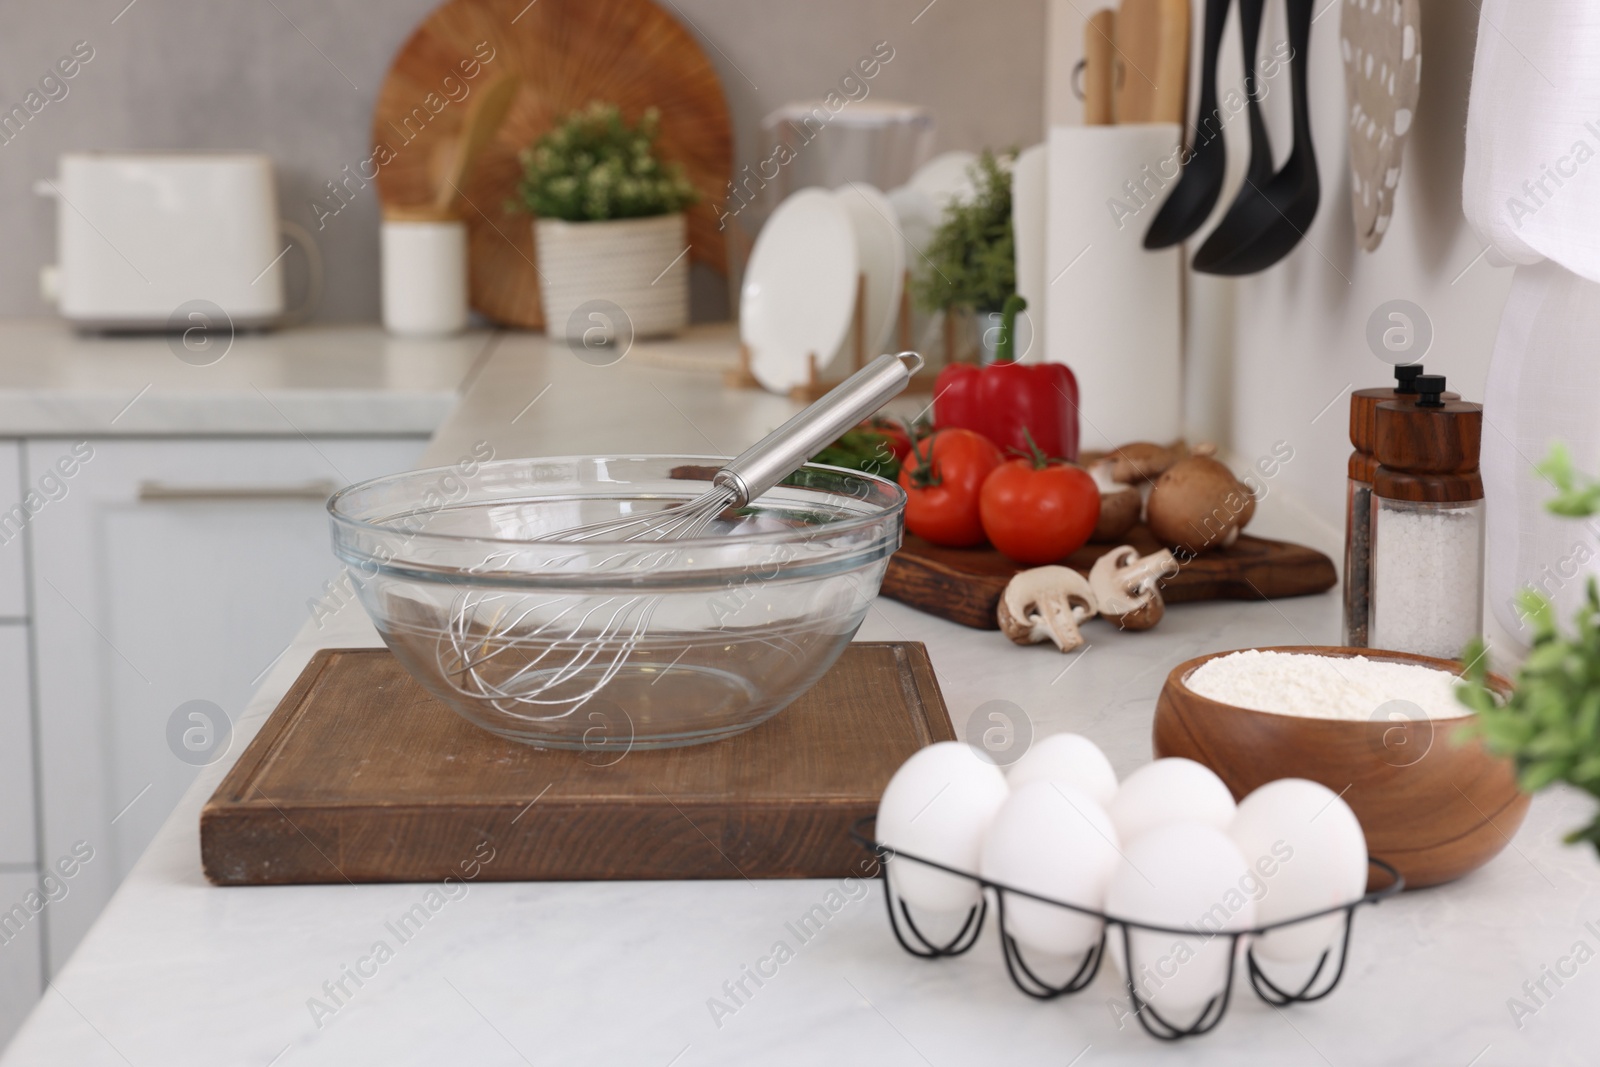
{"x": 1382, "y": 45}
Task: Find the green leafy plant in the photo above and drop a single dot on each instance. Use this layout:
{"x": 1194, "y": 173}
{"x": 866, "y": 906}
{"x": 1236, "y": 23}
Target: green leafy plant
{"x": 595, "y": 166}
{"x": 1550, "y": 725}
{"x": 862, "y": 450}
{"x": 1575, "y": 498}
{"x": 971, "y": 259}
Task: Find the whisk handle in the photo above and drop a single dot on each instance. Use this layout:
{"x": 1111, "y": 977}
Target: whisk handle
{"x": 784, "y": 450}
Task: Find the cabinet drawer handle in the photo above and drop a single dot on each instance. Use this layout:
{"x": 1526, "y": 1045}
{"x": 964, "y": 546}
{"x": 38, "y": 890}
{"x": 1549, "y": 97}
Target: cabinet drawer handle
{"x": 318, "y": 491}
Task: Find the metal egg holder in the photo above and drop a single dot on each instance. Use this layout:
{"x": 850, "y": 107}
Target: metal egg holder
{"x": 1030, "y": 983}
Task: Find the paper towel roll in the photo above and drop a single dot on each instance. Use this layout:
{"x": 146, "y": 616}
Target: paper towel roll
{"x": 1112, "y": 307}
{"x": 1029, "y": 189}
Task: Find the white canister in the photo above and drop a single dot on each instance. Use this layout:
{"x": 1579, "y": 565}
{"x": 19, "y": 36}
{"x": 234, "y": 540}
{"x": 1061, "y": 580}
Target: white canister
{"x": 424, "y": 276}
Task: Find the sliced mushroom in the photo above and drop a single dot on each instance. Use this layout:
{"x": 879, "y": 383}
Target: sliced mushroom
{"x": 1120, "y": 504}
{"x": 1127, "y": 586}
{"x": 1047, "y": 603}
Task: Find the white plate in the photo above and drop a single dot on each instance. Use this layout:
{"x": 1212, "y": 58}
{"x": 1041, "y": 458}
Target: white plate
{"x": 799, "y": 288}
{"x": 945, "y": 178}
{"x": 918, "y": 219}
{"x": 882, "y": 256}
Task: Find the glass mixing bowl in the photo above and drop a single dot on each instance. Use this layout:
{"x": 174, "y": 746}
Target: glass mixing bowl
{"x": 612, "y": 645}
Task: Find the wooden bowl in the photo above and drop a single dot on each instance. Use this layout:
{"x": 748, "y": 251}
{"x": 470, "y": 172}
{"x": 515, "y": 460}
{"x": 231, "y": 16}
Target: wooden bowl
{"x": 1434, "y": 806}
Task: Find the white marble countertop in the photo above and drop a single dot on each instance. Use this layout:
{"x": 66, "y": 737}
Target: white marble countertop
{"x": 323, "y": 380}
{"x": 178, "y": 972}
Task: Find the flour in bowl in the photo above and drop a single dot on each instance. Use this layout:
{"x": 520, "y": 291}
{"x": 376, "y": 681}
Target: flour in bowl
{"x": 1325, "y": 687}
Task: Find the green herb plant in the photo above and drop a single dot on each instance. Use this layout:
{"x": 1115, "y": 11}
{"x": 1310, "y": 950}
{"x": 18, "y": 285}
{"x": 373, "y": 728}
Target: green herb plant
{"x": 970, "y": 261}
{"x": 862, "y": 450}
{"x": 1550, "y": 725}
{"x": 596, "y": 166}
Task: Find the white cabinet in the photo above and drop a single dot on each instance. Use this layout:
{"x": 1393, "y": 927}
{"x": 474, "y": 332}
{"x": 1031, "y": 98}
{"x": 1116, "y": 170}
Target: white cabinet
{"x": 22, "y": 910}
{"x": 16, "y": 750}
{"x": 16, "y": 509}
{"x": 170, "y": 572}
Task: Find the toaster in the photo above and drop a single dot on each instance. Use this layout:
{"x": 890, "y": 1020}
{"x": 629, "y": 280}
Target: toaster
{"x": 142, "y": 240}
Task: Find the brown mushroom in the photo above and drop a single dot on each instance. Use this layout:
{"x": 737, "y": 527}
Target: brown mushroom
{"x": 1046, "y": 603}
{"x": 1143, "y": 461}
{"x": 1198, "y": 505}
{"x": 1120, "y": 505}
{"x": 1127, "y": 586}
{"x": 1248, "y": 512}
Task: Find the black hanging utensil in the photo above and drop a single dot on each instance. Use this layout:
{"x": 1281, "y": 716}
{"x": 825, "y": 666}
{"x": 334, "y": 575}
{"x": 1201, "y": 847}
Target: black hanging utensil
{"x": 1268, "y": 222}
{"x": 1189, "y": 204}
{"x": 1239, "y": 225}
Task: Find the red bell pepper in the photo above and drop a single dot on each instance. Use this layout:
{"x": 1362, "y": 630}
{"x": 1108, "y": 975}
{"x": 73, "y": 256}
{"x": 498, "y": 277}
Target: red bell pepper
{"x": 1008, "y": 402}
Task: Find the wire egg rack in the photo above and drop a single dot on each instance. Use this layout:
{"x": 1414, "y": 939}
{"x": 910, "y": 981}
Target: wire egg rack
{"x": 1323, "y": 980}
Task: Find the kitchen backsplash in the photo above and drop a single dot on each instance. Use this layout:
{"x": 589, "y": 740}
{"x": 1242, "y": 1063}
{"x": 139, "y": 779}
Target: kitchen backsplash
{"x": 296, "y": 79}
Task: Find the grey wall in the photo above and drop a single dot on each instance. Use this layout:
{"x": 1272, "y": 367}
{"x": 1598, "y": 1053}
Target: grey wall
{"x": 297, "y": 79}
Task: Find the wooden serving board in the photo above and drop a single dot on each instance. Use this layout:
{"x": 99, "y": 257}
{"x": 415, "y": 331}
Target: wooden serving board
{"x": 964, "y": 584}
{"x": 361, "y": 776}
{"x": 564, "y": 54}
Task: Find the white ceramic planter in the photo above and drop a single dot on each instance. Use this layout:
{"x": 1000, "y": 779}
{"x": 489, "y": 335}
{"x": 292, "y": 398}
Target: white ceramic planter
{"x": 636, "y": 264}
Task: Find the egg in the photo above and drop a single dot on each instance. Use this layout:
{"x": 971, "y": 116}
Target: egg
{"x": 1306, "y": 847}
{"x": 937, "y": 806}
{"x": 1187, "y": 875}
{"x": 1071, "y": 759}
{"x": 1054, "y": 840}
{"x": 1170, "y": 790}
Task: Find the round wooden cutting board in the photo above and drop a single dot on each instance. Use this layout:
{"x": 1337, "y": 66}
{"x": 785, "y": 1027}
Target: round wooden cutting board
{"x": 566, "y": 54}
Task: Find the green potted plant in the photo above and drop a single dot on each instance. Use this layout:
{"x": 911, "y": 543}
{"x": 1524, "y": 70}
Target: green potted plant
{"x": 1550, "y": 725}
{"x": 970, "y": 264}
{"x": 609, "y": 224}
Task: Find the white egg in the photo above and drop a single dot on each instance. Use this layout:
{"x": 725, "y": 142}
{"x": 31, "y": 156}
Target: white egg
{"x": 1169, "y": 790}
{"x": 937, "y": 806}
{"x": 1187, "y": 875}
{"x": 1306, "y": 847}
{"x": 1071, "y": 759}
{"x": 1054, "y": 840}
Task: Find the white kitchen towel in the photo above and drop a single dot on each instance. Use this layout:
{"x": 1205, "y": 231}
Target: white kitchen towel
{"x": 1532, "y": 182}
{"x": 1544, "y": 386}
{"x": 1532, "y": 192}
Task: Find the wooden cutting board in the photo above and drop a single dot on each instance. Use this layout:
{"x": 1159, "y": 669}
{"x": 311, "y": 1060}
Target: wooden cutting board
{"x": 1152, "y": 61}
{"x": 565, "y": 55}
{"x": 964, "y": 584}
{"x": 361, "y": 776}
{"x": 1099, "y": 68}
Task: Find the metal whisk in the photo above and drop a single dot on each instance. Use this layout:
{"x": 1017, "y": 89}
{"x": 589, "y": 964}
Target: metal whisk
{"x": 519, "y": 653}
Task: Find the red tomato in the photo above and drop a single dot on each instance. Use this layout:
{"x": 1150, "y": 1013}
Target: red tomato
{"x": 943, "y": 477}
{"x": 895, "y": 431}
{"x": 1039, "y": 511}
